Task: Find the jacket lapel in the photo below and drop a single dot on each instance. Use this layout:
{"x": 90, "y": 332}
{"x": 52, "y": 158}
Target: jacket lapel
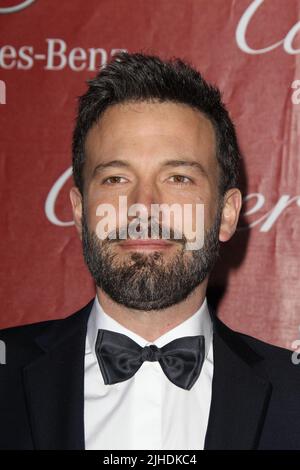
{"x": 240, "y": 393}
{"x": 54, "y": 384}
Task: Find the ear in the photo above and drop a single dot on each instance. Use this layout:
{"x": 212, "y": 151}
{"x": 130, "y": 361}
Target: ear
{"x": 76, "y": 201}
{"x": 230, "y": 214}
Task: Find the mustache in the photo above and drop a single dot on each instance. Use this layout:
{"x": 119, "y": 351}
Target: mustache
{"x": 158, "y": 232}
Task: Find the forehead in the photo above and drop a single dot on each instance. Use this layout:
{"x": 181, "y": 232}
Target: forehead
{"x": 143, "y": 128}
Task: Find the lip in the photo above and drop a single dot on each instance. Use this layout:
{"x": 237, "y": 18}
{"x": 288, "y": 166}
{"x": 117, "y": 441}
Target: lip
{"x": 146, "y": 244}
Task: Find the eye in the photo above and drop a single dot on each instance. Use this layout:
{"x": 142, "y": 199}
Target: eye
{"x": 181, "y": 179}
{"x": 113, "y": 180}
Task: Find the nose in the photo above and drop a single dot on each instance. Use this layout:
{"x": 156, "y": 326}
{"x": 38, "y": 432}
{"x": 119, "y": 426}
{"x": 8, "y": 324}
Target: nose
{"x": 145, "y": 195}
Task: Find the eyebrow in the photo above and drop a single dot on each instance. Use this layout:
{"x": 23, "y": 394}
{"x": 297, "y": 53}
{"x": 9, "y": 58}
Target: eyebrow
{"x": 169, "y": 163}
{"x": 188, "y": 163}
{"x": 111, "y": 164}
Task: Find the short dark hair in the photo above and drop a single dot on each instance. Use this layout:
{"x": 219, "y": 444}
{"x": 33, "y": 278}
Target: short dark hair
{"x": 136, "y": 77}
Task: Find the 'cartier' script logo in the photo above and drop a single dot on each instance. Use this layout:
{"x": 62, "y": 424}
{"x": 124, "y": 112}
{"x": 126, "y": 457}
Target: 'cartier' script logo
{"x": 241, "y": 33}
{"x": 15, "y": 8}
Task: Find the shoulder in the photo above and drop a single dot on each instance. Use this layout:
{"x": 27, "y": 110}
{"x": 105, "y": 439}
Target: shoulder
{"x": 37, "y": 327}
{"x": 20, "y": 341}
{"x": 269, "y": 351}
{"x": 279, "y": 363}
{"x": 18, "y": 337}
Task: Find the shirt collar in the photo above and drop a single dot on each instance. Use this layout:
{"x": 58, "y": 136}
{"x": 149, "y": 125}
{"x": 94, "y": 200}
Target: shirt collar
{"x": 198, "y": 324}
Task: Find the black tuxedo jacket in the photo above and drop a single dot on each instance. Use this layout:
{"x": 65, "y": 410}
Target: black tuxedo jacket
{"x": 255, "y": 391}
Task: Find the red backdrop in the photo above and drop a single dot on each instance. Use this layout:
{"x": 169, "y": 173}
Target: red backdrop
{"x": 250, "y": 49}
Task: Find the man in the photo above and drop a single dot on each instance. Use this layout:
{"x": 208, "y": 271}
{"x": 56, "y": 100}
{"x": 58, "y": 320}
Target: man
{"x": 146, "y": 364}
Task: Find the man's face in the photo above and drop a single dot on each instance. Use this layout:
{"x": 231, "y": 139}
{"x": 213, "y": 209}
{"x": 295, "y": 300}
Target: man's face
{"x": 151, "y": 153}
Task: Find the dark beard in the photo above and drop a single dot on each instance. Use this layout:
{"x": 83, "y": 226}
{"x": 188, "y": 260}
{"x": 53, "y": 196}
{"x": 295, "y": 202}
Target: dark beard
{"x": 149, "y": 281}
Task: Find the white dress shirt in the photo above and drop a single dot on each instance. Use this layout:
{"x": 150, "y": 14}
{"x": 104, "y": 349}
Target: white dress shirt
{"x": 146, "y": 411}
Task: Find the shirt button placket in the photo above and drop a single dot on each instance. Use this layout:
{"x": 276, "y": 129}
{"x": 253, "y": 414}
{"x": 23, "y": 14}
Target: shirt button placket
{"x": 147, "y": 419}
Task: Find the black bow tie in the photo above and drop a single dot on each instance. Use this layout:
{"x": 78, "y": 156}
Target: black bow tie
{"x": 120, "y": 357}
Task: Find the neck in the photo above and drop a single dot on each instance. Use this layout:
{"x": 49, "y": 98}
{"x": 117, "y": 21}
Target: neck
{"x": 152, "y": 324}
